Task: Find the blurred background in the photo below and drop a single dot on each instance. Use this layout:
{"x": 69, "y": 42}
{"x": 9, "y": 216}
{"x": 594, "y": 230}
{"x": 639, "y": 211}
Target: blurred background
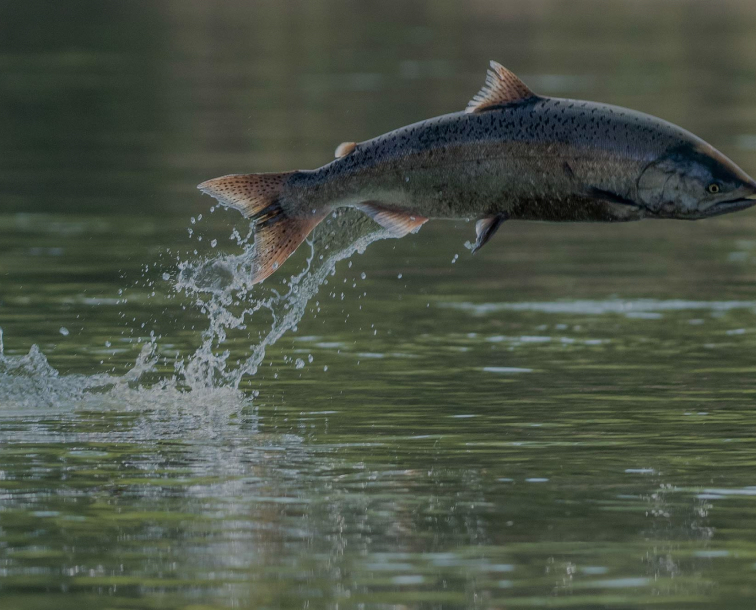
{"x": 125, "y": 105}
{"x": 565, "y": 419}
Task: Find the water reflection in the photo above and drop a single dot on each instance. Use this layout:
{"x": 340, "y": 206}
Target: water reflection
{"x": 155, "y": 502}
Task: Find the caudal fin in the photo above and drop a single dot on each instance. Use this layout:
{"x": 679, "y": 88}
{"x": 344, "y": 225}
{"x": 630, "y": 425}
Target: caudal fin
{"x": 258, "y": 196}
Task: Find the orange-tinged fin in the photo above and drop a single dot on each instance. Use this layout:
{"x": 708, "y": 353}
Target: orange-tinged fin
{"x": 502, "y": 87}
{"x": 345, "y": 148}
{"x": 485, "y": 229}
{"x": 258, "y": 196}
{"x": 398, "y": 223}
{"x": 248, "y": 193}
{"x": 276, "y": 239}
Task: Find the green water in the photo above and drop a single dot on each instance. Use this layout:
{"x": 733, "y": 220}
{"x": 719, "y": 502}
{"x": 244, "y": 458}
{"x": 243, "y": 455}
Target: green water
{"x": 566, "y": 419}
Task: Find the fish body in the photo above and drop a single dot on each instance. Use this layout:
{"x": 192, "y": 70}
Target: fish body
{"x": 510, "y": 155}
{"x": 535, "y": 160}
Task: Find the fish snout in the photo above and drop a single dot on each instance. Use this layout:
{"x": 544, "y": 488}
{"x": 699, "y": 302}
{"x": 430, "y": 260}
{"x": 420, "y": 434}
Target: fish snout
{"x": 741, "y": 199}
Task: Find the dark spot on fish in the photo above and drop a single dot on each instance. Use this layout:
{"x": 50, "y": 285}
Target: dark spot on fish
{"x": 568, "y": 170}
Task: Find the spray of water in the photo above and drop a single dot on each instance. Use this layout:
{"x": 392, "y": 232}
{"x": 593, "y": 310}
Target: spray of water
{"x": 221, "y": 289}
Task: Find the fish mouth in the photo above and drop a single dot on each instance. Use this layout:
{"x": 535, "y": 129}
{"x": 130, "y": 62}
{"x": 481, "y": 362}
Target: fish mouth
{"x": 716, "y": 209}
{"x": 732, "y": 205}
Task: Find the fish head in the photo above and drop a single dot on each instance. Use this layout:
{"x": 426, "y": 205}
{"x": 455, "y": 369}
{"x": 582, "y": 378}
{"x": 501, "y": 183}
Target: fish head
{"x": 694, "y": 180}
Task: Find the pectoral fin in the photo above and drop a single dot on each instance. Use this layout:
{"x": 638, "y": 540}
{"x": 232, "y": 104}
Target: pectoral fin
{"x": 597, "y": 193}
{"x": 485, "y": 228}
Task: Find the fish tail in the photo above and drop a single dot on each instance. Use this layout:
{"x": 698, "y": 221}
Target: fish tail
{"x": 259, "y": 197}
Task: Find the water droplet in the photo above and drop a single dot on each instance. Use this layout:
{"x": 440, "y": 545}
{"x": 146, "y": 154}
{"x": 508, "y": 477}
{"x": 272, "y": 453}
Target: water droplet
{"x": 454, "y": 260}
{"x": 299, "y": 364}
{"x": 310, "y": 358}
{"x": 399, "y": 276}
{"x": 166, "y": 277}
{"x": 325, "y": 368}
{"x": 363, "y": 275}
{"x": 64, "y": 331}
{"x": 214, "y": 243}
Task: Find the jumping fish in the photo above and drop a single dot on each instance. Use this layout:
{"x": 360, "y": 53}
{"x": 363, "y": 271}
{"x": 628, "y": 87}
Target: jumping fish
{"x": 511, "y": 154}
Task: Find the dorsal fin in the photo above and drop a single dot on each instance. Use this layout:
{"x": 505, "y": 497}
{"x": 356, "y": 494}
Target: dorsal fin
{"x": 345, "y": 148}
{"x": 502, "y": 87}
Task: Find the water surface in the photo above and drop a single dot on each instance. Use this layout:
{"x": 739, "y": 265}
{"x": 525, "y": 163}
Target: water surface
{"x": 564, "y": 420}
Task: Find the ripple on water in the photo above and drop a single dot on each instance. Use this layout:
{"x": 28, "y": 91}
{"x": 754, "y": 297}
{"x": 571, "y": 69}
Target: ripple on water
{"x": 637, "y": 308}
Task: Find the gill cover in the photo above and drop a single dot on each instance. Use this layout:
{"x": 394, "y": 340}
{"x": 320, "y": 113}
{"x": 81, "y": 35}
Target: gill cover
{"x": 681, "y": 182}
{"x": 659, "y": 182}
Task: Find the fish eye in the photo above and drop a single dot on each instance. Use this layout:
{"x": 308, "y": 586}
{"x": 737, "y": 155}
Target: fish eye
{"x": 713, "y": 188}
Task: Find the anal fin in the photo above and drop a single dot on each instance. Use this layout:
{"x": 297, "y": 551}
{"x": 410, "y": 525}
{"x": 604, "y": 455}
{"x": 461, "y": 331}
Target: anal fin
{"x": 485, "y": 229}
{"x": 397, "y": 222}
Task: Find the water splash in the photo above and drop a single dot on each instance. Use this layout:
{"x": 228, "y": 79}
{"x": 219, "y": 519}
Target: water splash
{"x": 30, "y": 381}
{"x": 220, "y": 287}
